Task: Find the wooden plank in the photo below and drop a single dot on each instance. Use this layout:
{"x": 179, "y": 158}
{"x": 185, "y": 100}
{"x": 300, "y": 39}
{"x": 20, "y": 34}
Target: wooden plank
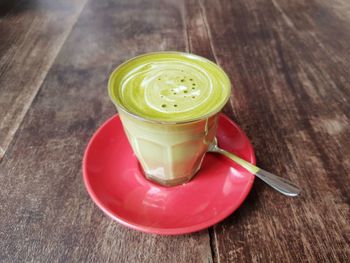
{"x": 289, "y": 65}
{"x": 32, "y": 33}
{"x": 49, "y": 215}
{"x": 197, "y": 30}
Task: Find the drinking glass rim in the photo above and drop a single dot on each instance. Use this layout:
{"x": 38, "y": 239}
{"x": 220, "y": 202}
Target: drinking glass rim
{"x": 155, "y": 121}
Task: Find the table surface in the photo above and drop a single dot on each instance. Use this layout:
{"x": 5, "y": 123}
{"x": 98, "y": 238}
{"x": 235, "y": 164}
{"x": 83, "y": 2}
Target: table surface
{"x": 289, "y": 63}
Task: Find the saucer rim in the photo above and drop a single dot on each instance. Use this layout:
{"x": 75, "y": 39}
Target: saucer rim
{"x": 165, "y": 231}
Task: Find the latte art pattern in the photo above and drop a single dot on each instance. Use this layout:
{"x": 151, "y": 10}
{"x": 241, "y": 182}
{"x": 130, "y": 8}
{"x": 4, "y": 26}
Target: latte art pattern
{"x": 170, "y": 86}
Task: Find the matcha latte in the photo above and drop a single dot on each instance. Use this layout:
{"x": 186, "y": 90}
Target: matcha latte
{"x": 168, "y": 103}
{"x": 170, "y": 87}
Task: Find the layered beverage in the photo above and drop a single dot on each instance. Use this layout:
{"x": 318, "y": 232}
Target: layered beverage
{"x": 168, "y": 103}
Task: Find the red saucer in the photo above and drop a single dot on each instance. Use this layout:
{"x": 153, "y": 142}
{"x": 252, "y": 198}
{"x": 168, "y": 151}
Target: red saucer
{"x": 115, "y": 183}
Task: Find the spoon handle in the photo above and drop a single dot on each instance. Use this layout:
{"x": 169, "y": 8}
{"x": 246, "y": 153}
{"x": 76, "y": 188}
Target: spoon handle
{"x": 282, "y": 185}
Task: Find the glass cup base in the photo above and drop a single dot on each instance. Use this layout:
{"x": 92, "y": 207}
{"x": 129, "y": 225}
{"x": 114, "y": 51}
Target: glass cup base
{"x": 171, "y": 182}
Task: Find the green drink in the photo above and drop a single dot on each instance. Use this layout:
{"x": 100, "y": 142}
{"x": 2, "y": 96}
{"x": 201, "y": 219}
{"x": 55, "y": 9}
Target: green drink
{"x": 168, "y": 103}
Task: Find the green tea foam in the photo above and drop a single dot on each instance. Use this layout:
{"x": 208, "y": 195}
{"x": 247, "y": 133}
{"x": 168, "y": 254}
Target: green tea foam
{"x": 170, "y": 86}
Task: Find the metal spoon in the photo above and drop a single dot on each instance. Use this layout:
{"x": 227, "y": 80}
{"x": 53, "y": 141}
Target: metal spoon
{"x": 282, "y": 185}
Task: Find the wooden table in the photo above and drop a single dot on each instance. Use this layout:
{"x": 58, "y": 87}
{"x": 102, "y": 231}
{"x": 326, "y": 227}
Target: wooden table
{"x": 289, "y": 63}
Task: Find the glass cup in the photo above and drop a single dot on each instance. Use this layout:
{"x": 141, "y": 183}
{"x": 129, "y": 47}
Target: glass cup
{"x": 170, "y": 152}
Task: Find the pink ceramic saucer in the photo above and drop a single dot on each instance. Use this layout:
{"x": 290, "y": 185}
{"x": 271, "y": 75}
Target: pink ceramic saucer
{"x": 116, "y": 184}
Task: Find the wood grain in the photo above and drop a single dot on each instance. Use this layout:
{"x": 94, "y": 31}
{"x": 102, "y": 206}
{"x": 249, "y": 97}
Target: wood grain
{"x": 289, "y": 65}
{"x": 49, "y": 215}
{"x": 32, "y": 33}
